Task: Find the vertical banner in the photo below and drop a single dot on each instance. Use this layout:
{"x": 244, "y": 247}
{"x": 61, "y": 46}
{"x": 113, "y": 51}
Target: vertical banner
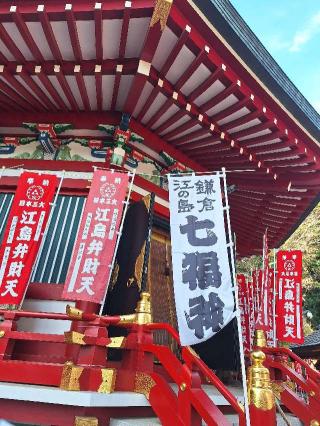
{"x": 256, "y": 287}
{"x": 89, "y": 270}
{"x": 289, "y": 302}
{"x": 26, "y": 224}
{"x": 201, "y": 273}
{"x": 271, "y": 300}
{"x": 243, "y": 297}
{"x": 251, "y": 309}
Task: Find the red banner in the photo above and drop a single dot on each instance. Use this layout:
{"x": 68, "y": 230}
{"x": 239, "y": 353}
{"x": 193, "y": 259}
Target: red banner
{"x": 89, "y": 270}
{"x": 251, "y": 311}
{"x": 257, "y": 288}
{"x": 243, "y": 300}
{"x": 271, "y": 301}
{"x": 24, "y": 230}
{"x": 289, "y": 302}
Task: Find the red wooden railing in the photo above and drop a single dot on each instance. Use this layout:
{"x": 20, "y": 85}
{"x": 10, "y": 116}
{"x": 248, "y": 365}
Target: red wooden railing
{"x": 188, "y": 407}
{"x": 306, "y": 407}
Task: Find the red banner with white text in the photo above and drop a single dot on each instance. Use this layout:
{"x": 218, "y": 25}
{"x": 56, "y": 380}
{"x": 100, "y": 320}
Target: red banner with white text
{"x": 24, "y": 230}
{"x": 289, "y": 302}
{"x": 89, "y": 270}
{"x": 243, "y": 300}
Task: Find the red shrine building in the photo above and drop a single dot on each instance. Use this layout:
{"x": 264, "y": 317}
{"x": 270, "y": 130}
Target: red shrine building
{"x": 152, "y": 87}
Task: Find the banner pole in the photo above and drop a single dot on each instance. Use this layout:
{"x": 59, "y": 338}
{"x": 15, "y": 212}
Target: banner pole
{"x": 2, "y": 171}
{"x": 274, "y": 297}
{"x": 242, "y": 362}
{"x": 118, "y": 239}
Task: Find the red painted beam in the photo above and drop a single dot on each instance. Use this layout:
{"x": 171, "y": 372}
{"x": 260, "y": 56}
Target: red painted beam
{"x": 268, "y": 125}
{"x": 175, "y": 51}
{"x": 98, "y": 30}
{"x": 172, "y": 120}
{"x": 73, "y": 33}
{"x": 98, "y": 81}
{"x": 52, "y": 90}
{"x": 26, "y": 35}
{"x": 14, "y": 96}
{"x": 161, "y": 111}
{"x": 11, "y": 46}
{"x": 80, "y": 120}
{"x": 182, "y": 128}
{"x": 158, "y": 144}
{"x": 190, "y": 70}
{"x": 115, "y": 92}
{"x": 50, "y": 37}
{"x": 190, "y": 136}
{"x": 232, "y": 89}
{"x": 199, "y": 90}
{"x": 9, "y": 103}
{"x": 242, "y": 120}
{"x": 154, "y": 93}
{"x": 246, "y": 102}
{"x": 22, "y": 91}
{"x": 148, "y": 51}
{"x": 124, "y": 31}
{"x": 67, "y": 91}
{"x": 38, "y": 91}
{"x": 88, "y": 67}
{"x": 83, "y": 91}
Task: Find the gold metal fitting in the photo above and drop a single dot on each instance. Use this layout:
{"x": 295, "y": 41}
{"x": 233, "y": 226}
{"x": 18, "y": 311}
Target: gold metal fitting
{"x": 2, "y": 333}
{"x": 260, "y": 340}
{"x": 86, "y": 421}
{"x": 108, "y": 376}
{"x": 74, "y": 337}
{"x": 70, "y": 377}
{"x": 312, "y": 393}
{"x": 143, "y": 312}
{"x": 259, "y": 386}
{"x": 183, "y": 386}
{"x": 117, "y": 342}
{"x": 314, "y": 423}
{"x": 74, "y": 313}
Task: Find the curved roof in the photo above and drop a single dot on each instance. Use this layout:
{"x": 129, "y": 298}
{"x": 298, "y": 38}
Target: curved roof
{"x": 239, "y": 35}
{"x": 191, "y": 86}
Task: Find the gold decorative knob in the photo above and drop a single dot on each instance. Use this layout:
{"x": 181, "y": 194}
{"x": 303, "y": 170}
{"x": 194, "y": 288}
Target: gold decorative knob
{"x": 183, "y": 386}
{"x": 2, "y": 333}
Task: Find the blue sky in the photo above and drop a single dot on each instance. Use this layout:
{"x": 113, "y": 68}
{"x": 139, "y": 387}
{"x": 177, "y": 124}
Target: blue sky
{"x": 290, "y": 30}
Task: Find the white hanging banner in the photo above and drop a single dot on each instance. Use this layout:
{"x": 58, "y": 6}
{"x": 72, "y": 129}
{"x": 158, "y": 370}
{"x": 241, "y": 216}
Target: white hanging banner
{"x": 201, "y": 272}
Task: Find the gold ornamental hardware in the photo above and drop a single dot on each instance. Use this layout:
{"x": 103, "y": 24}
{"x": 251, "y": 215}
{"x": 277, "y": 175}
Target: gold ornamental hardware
{"x": 241, "y": 406}
{"x": 314, "y": 423}
{"x": 143, "y": 384}
{"x": 312, "y": 393}
{"x": 143, "y": 312}
{"x": 86, "y": 421}
{"x": 117, "y": 342}
{"x": 260, "y": 340}
{"x": 70, "y": 377}
{"x": 183, "y": 386}
{"x": 260, "y": 393}
{"x": 74, "y": 337}
{"x": 2, "y": 333}
{"x": 161, "y": 13}
{"x": 108, "y": 383}
{"x": 194, "y": 353}
{"x": 74, "y": 313}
